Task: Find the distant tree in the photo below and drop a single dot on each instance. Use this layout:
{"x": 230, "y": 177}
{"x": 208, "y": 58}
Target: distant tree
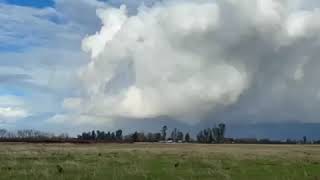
{"x": 164, "y": 132}
{"x": 98, "y": 135}
{"x": 180, "y": 136}
{"x": 201, "y": 137}
{"x": 21, "y": 134}
{"x": 113, "y": 137}
{"x": 93, "y": 135}
{"x": 150, "y": 137}
{"x": 79, "y": 136}
{"x": 83, "y": 136}
{"x": 218, "y": 133}
{"x": 157, "y": 137}
{"x": 222, "y": 128}
{"x": 141, "y": 137}
{"x": 207, "y": 135}
{"x": 174, "y": 135}
{"x": 210, "y": 138}
{"x": 101, "y": 135}
{"x": 119, "y": 135}
{"x": 134, "y": 136}
{"x": 3, "y": 133}
{"x": 214, "y": 135}
{"x": 108, "y": 136}
{"x": 153, "y": 137}
{"x": 187, "y": 137}
{"x": 264, "y": 141}
{"x": 63, "y": 136}
{"x": 11, "y": 135}
{"x": 304, "y": 139}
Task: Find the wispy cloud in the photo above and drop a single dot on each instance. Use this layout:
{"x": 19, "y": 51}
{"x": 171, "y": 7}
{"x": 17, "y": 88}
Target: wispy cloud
{"x": 12, "y": 108}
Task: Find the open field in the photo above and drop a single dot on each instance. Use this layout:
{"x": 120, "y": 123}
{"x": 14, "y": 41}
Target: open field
{"x": 158, "y": 161}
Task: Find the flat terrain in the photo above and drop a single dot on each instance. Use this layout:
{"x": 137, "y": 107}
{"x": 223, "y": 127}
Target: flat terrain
{"x": 158, "y": 161}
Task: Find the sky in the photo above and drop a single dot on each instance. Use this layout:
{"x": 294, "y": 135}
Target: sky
{"x": 73, "y": 65}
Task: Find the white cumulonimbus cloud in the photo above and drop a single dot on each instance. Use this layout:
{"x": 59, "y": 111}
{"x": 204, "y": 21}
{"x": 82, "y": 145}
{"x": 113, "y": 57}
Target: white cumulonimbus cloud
{"x": 187, "y": 59}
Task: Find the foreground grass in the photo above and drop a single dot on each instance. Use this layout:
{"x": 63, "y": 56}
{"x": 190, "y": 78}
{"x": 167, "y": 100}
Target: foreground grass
{"x": 158, "y": 161}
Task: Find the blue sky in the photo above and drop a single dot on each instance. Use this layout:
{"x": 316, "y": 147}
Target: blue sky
{"x": 32, "y": 3}
{"x": 40, "y": 54}
{"x": 40, "y": 44}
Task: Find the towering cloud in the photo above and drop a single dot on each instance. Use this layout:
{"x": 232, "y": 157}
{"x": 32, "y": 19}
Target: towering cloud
{"x": 190, "y": 59}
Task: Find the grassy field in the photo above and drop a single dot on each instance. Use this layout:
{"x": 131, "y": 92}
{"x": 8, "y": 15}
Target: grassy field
{"x": 158, "y": 161}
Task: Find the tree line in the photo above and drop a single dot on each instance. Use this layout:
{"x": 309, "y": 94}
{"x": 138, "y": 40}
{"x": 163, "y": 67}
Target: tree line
{"x": 117, "y": 136}
{"x": 215, "y": 134}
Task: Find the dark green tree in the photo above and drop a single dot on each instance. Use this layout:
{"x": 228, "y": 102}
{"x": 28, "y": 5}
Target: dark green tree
{"x": 157, "y": 137}
{"x": 201, "y": 137}
{"x": 119, "y": 135}
{"x": 180, "y": 136}
{"x": 222, "y": 128}
{"x": 93, "y": 135}
{"x": 108, "y": 136}
{"x": 150, "y": 137}
{"x": 187, "y": 137}
{"x": 174, "y": 135}
{"x": 134, "y": 136}
{"x": 164, "y": 132}
{"x": 113, "y": 137}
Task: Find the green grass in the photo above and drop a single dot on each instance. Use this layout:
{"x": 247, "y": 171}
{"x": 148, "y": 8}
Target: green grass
{"x": 156, "y": 161}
